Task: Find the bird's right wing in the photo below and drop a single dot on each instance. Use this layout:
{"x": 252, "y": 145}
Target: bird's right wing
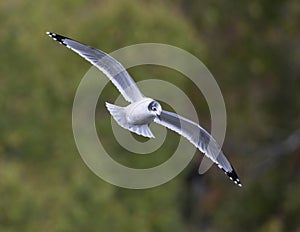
{"x": 106, "y": 64}
{"x": 200, "y": 138}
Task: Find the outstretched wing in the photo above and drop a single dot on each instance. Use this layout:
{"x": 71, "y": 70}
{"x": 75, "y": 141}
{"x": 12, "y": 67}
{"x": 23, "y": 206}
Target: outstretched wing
{"x": 106, "y": 64}
{"x": 200, "y": 138}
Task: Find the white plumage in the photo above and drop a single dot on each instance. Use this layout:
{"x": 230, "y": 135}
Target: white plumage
{"x": 142, "y": 111}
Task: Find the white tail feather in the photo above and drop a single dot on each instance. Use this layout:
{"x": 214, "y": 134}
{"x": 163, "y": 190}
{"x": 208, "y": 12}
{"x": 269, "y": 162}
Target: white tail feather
{"x": 119, "y": 114}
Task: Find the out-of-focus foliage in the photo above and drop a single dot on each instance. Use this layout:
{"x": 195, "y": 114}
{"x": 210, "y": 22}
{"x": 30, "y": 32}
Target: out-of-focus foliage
{"x": 252, "y": 48}
{"x": 44, "y": 184}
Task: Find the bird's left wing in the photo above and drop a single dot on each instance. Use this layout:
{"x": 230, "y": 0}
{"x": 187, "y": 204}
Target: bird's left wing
{"x": 106, "y": 64}
{"x": 200, "y": 138}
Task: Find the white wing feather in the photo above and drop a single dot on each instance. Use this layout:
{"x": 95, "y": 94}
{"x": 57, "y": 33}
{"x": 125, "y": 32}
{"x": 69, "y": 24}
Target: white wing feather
{"x": 199, "y": 138}
{"x": 106, "y": 64}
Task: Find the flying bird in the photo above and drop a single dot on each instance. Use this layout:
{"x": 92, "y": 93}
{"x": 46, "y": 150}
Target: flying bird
{"x": 142, "y": 110}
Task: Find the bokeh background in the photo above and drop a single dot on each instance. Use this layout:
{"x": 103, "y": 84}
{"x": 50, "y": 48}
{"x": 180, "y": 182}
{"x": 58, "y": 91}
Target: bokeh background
{"x": 251, "y": 47}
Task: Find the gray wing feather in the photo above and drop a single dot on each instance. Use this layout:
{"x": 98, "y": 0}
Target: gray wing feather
{"x": 200, "y": 138}
{"x": 106, "y": 64}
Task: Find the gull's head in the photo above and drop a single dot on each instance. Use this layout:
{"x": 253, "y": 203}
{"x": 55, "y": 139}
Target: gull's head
{"x": 155, "y": 108}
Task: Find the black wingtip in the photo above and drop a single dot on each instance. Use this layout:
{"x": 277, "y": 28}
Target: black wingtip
{"x": 233, "y": 176}
{"x": 57, "y": 37}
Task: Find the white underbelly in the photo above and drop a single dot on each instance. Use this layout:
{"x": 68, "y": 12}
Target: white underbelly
{"x": 136, "y": 118}
{"x": 138, "y": 114}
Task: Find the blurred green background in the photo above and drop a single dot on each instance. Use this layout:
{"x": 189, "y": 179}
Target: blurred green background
{"x": 251, "y": 47}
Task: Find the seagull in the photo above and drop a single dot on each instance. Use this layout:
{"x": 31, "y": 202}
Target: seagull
{"x": 142, "y": 110}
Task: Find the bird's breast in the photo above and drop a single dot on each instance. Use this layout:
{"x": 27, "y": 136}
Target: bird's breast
{"x": 139, "y": 115}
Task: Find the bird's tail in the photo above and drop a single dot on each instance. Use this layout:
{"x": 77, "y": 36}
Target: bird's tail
{"x": 119, "y": 115}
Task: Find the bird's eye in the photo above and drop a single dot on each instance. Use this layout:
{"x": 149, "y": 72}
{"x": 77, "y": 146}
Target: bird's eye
{"x": 153, "y": 106}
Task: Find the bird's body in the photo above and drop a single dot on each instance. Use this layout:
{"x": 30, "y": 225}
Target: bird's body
{"x": 135, "y": 117}
{"x": 137, "y": 113}
{"x": 142, "y": 110}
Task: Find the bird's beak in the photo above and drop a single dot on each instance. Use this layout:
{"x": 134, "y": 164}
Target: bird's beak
{"x": 158, "y": 116}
